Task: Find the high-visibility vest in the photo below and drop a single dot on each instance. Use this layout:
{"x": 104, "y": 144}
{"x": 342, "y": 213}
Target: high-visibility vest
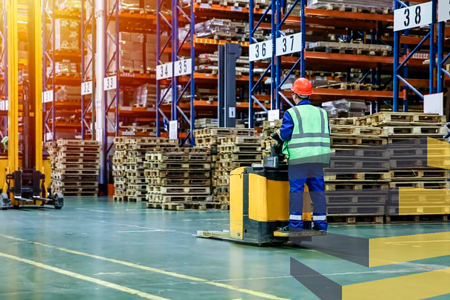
{"x": 310, "y": 141}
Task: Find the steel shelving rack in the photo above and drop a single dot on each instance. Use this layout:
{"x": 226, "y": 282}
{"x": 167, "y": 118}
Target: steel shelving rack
{"x": 442, "y": 72}
{"x": 401, "y": 37}
{"x": 53, "y": 109}
{"x": 356, "y": 24}
{"x": 88, "y": 36}
{"x": 116, "y": 21}
{"x": 183, "y": 87}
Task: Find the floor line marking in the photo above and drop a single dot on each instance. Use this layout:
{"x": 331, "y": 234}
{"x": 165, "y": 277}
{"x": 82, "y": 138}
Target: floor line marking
{"x": 83, "y": 277}
{"x": 151, "y": 269}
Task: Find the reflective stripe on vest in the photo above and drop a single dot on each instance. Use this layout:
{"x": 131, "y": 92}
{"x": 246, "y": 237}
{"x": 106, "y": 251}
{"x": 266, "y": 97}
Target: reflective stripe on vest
{"x": 310, "y": 141}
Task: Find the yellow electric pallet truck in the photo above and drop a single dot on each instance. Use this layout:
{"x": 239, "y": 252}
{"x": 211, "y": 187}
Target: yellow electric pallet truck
{"x": 24, "y": 172}
{"x": 259, "y": 205}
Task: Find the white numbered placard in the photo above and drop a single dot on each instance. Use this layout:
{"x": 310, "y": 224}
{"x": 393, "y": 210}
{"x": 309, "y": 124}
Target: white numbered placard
{"x": 173, "y": 130}
{"x": 47, "y": 96}
{"x": 232, "y": 112}
{"x": 4, "y": 105}
{"x": 289, "y": 44}
{"x": 110, "y": 83}
{"x": 273, "y": 115}
{"x": 183, "y": 67}
{"x": 164, "y": 71}
{"x": 434, "y": 104}
{"x": 443, "y": 10}
{"x": 86, "y": 88}
{"x": 262, "y": 50}
{"x": 413, "y": 16}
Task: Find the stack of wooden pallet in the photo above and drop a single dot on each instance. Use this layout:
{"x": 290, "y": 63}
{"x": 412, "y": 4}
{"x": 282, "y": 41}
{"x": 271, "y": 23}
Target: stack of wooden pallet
{"x": 129, "y": 161}
{"x": 418, "y": 157}
{"x": 267, "y": 142}
{"x": 241, "y": 149}
{"x": 179, "y": 178}
{"x": 75, "y": 167}
{"x": 357, "y": 181}
{"x": 206, "y": 123}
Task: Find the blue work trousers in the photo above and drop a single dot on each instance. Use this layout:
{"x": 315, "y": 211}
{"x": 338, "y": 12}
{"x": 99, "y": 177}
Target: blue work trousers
{"x": 313, "y": 176}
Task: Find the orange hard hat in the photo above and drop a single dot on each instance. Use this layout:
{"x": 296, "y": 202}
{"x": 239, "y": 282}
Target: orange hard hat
{"x": 303, "y": 87}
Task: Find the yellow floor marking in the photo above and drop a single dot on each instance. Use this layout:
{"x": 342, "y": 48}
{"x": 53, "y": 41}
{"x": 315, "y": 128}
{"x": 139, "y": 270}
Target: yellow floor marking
{"x": 412, "y": 287}
{"x": 155, "y": 270}
{"x": 398, "y": 249}
{"x": 83, "y": 277}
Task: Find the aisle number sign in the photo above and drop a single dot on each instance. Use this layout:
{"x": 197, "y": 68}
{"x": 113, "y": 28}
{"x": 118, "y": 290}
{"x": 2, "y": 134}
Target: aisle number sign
{"x": 289, "y": 44}
{"x": 183, "y": 67}
{"x": 47, "y": 96}
{"x": 443, "y": 10}
{"x": 164, "y": 71}
{"x": 86, "y": 88}
{"x": 173, "y": 130}
{"x": 284, "y": 45}
{"x": 110, "y": 83}
{"x": 413, "y": 16}
{"x": 260, "y": 51}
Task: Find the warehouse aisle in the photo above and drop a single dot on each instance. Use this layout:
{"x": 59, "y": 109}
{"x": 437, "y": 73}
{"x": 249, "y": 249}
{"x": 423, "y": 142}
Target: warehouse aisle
{"x": 95, "y": 249}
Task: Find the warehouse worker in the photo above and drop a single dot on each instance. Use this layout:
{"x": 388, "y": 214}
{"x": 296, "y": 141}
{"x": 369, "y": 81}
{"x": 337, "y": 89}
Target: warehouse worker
{"x": 306, "y": 135}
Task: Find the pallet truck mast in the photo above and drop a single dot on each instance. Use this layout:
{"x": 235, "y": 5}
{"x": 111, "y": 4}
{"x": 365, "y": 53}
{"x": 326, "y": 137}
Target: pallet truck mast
{"x": 26, "y": 177}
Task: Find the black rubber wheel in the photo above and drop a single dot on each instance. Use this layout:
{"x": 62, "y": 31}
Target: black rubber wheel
{"x": 58, "y": 207}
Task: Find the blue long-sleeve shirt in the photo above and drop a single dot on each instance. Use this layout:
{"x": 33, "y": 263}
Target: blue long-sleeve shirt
{"x": 288, "y": 124}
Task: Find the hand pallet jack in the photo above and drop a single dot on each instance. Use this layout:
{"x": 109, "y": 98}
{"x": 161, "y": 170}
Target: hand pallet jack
{"x": 259, "y": 205}
{"x": 27, "y": 178}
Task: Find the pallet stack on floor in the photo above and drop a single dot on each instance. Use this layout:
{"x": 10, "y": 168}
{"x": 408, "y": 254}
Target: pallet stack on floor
{"x": 179, "y": 178}
{"x": 128, "y": 165}
{"x": 417, "y": 163}
{"x": 358, "y": 179}
{"x": 75, "y": 167}
{"x": 242, "y": 148}
{"x": 267, "y": 142}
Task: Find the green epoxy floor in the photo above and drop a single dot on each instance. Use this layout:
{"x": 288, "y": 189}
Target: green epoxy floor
{"x": 165, "y": 240}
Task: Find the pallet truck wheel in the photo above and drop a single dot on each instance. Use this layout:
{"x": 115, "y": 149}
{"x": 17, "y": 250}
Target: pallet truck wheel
{"x": 59, "y": 201}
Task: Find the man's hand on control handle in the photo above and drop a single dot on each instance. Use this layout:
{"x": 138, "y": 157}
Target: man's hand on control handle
{"x": 276, "y": 137}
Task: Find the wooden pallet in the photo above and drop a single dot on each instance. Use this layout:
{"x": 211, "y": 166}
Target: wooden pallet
{"x": 182, "y": 166}
{"x": 415, "y": 131}
{"x": 342, "y": 121}
{"x": 361, "y": 219}
{"x": 342, "y": 165}
{"x": 172, "y": 190}
{"x": 351, "y": 130}
{"x": 362, "y": 153}
{"x": 350, "y": 48}
{"x": 356, "y": 141}
{"x": 227, "y": 148}
{"x": 179, "y": 182}
{"x": 347, "y": 186}
{"x": 421, "y": 184}
{"x": 242, "y": 157}
{"x": 369, "y": 176}
{"x": 174, "y": 174}
{"x": 418, "y": 152}
{"x": 408, "y": 175}
{"x": 348, "y": 197}
{"x": 180, "y": 206}
{"x": 401, "y": 119}
{"x": 416, "y": 218}
{"x": 418, "y": 162}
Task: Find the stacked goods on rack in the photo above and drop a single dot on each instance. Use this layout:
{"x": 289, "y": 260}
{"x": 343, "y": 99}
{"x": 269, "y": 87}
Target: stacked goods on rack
{"x": 145, "y": 96}
{"x": 383, "y": 6}
{"x": 206, "y": 123}
{"x": 129, "y": 160}
{"x": 209, "y": 63}
{"x": 241, "y": 148}
{"x": 75, "y": 167}
{"x": 267, "y": 142}
{"x": 68, "y": 33}
{"x": 358, "y": 179}
{"x": 418, "y": 157}
{"x": 350, "y": 48}
{"x": 179, "y": 178}
{"x": 68, "y": 93}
